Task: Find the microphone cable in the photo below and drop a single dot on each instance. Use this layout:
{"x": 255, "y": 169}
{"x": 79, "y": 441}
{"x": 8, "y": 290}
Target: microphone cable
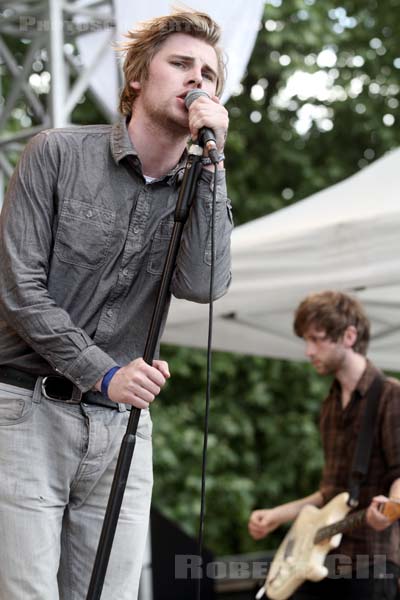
{"x": 208, "y": 385}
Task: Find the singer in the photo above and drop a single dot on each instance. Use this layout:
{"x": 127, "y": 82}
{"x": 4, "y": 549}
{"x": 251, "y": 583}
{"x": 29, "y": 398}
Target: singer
{"x": 84, "y": 231}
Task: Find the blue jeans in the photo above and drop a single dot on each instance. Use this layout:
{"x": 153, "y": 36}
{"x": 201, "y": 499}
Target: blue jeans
{"x": 56, "y": 467}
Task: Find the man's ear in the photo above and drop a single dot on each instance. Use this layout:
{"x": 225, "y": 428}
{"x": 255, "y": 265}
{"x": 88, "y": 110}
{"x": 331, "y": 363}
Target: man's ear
{"x": 135, "y": 85}
{"x": 350, "y": 336}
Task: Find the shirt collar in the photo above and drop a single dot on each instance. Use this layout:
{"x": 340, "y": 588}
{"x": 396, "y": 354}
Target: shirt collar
{"x": 363, "y": 384}
{"x": 120, "y": 142}
{"x": 122, "y": 147}
{"x": 366, "y": 379}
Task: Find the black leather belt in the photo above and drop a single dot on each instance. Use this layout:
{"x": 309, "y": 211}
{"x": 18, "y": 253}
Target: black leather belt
{"x": 56, "y": 387}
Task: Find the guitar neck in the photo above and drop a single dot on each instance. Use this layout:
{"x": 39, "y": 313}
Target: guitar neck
{"x": 391, "y": 510}
{"x": 354, "y": 520}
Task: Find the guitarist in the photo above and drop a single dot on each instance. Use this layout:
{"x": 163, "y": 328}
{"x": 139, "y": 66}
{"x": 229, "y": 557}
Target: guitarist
{"x": 335, "y": 330}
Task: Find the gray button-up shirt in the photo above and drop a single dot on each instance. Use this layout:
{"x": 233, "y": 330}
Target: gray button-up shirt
{"x": 82, "y": 247}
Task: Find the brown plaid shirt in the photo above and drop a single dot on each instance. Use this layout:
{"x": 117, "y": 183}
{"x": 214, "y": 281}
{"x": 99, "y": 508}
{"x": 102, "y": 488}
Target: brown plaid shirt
{"x": 339, "y": 429}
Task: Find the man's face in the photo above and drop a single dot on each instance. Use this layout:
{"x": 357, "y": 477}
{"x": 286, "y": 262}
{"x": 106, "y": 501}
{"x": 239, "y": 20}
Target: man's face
{"x": 326, "y": 355}
{"x": 183, "y": 63}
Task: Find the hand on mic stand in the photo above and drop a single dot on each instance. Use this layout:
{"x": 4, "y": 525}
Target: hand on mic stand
{"x": 211, "y": 137}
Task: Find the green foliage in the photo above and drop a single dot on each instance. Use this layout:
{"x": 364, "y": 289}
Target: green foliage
{"x": 263, "y": 445}
{"x": 270, "y": 163}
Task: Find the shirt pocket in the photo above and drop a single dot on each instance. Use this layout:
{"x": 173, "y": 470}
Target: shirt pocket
{"x": 159, "y": 246}
{"x": 84, "y": 234}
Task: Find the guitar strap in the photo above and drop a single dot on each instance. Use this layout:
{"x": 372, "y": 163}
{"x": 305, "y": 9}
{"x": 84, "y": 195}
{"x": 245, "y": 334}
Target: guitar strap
{"x": 363, "y": 449}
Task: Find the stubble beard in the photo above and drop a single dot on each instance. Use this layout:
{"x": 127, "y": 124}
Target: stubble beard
{"x": 330, "y": 366}
{"x": 325, "y": 369}
{"x": 162, "y": 118}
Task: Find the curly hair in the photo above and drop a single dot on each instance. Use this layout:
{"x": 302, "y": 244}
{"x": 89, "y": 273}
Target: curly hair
{"x": 333, "y": 312}
{"x": 145, "y": 41}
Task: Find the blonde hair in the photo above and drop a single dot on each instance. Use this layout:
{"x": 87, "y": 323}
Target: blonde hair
{"x": 145, "y": 42}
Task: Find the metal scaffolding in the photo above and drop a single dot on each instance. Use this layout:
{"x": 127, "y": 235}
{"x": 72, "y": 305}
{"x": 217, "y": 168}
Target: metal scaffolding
{"x": 42, "y": 78}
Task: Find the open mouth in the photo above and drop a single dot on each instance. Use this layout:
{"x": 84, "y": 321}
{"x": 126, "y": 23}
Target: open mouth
{"x": 181, "y": 99}
{"x": 183, "y": 95}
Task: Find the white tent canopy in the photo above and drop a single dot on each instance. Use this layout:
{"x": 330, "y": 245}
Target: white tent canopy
{"x": 346, "y": 237}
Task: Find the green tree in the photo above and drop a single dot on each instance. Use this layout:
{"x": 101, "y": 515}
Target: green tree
{"x": 342, "y": 63}
{"x": 263, "y": 444}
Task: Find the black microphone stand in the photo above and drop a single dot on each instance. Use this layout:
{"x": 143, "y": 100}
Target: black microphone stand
{"x": 185, "y": 198}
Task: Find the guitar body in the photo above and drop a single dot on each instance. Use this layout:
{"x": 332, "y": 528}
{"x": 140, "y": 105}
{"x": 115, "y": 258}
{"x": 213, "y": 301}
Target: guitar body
{"x": 298, "y": 557}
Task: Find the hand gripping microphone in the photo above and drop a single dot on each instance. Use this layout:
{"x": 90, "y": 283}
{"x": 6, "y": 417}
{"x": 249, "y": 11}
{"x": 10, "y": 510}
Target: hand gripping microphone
{"x": 206, "y": 137}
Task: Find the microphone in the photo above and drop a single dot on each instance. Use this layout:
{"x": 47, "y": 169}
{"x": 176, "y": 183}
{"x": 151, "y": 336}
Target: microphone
{"x": 206, "y": 136}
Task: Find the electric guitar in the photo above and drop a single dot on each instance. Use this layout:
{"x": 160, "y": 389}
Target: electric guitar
{"x": 315, "y": 532}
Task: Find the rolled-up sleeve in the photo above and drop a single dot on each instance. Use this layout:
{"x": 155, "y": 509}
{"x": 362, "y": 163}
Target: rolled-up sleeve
{"x": 327, "y": 487}
{"x": 25, "y": 248}
{"x": 191, "y": 279}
